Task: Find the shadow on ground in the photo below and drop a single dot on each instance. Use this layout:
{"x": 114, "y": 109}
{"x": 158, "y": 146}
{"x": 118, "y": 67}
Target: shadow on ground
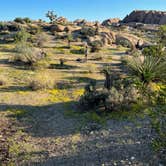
{"x": 43, "y": 121}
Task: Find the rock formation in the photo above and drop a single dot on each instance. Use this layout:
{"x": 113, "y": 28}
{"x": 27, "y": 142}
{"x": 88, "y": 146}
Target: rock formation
{"x": 146, "y": 17}
{"x": 110, "y": 21}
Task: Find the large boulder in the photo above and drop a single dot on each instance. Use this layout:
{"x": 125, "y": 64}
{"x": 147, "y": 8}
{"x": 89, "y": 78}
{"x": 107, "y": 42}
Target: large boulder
{"x": 57, "y": 28}
{"x": 146, "y": 17}
{"x": 110, "y": 21}
{"x": 129, "y": 40}
{"x": 62, "y": 20}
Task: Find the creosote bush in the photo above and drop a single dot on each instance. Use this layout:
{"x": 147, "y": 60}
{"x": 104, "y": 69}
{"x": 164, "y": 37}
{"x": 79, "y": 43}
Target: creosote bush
{"x": 27, "y": 54}
{"x": 96, "y": 46}
{"x": 42, "y": 80}
{"x": 41, "y": 39}
{"x": 3, "y": 80}
{"x": 120, "y": 95}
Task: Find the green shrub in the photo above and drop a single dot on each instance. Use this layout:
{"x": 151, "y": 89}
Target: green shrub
{"x": 22, "y": 20}
{"x": 153, "y": 51}
{"x": 42, "y": 80}
{"x": 41, "y": 39}
{"x": 27, "y": 54}
{"x": 88, "y": 31}
{"x": 19, "y": 20}
{"x": 21, "y": 36}
{"x": 96, "y": 46}
{"x": 121, "y": 95}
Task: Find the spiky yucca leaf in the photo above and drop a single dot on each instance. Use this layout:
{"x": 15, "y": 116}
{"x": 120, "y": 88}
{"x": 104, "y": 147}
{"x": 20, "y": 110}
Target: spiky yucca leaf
{"x": 147, "y": 68}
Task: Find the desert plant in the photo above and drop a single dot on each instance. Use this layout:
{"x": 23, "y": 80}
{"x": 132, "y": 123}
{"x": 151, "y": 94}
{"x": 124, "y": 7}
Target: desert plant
{"x": 27, "y": 20}
{"x": 52, "y": 17}
{"x": 92, "y": 98}
{"x": 156, "y": 50}
{"x": 107, "y": 74}
{"x": 21, "y": 36}
{"x": 41, "y": 39}
{"x": 27, "y": 54}
{"x": 19, "y": 20}
{"x": 162, "y": 35}
{"x": 147, "y": 68}
{"x": 69, "y": 39}
{"x": 118, "y": 97}
{"x": 96, "y": 46}
{"x": 62, "y": 61}
{"x": 3, "y": 80}
{"x": 42, "y": 80}
{"x": 88, "y": 31}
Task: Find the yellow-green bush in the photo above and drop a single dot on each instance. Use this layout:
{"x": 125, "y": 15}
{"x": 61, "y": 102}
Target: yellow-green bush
{"x": 42, "y": 80}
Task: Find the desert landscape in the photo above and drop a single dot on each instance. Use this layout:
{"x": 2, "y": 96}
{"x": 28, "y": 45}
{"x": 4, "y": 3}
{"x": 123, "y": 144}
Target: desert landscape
{"x": 83, "y": 93}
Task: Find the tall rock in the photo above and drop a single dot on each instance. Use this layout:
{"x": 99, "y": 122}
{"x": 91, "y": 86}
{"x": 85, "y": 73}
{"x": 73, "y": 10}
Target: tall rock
{"x": 146, "y": 17}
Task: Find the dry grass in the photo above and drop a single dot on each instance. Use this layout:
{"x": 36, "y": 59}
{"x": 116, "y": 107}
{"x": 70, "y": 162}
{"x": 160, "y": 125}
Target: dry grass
{"x": 42, "y": 80}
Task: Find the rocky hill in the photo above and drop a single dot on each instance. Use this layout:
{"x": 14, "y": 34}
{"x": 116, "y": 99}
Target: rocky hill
{"x": 146, "y": 17}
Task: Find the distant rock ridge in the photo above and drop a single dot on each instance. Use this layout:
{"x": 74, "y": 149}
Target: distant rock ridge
{"x": 146, "y": 17}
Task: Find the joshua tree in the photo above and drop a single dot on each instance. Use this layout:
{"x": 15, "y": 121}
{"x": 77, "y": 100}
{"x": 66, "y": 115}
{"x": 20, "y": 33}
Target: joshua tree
{"x": 107, "y": 73}
{"x": 51, "y": 16}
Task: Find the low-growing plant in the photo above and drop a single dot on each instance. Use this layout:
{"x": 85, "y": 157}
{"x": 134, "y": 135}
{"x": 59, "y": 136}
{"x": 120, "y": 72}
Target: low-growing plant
{"x": 22, "y": 36}
{"x": 96, "y": 46}
{"x": 147, "y": 68}
{"x": 27, "y": 54}
{"x": 3, "y": 80}
{"x": 41, "y": 39}
{"x": 41, "y": 81}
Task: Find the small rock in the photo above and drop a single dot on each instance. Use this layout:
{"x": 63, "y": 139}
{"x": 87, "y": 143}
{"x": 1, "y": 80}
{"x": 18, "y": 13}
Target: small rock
{"x": 138, "y": 142}
{"x": 132, "y": 158}
{"x": 115, "y": 163}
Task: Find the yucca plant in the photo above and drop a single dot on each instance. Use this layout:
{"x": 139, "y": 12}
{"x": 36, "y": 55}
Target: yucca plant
{"x": 147, "y": 68}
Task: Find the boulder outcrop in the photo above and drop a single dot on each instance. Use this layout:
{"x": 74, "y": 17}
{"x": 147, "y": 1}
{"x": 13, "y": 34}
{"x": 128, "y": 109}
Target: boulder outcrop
{"x": 110, "y": 21}
{"x": 146, "y": 17}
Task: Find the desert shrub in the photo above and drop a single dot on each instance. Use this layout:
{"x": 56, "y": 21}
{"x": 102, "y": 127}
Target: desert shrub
{"x": 41, "y": 39}
{"x": 3, "y": 26}
{"x": 62, "y": 62}
{"x": 124, "y": 43}
{"x": 27, "y": 54}
{"x": 77, "y": 51}
{"x": 42, "y": 80}
{"x": 162, "y": 35}
{"x": 88, "y": 31}
{"x": 19, "y": 20}
{"x": 153, "y": 51}
{"x": 21, "y": 36}
{"x": 3, "y": 80}
{"x": 27, "y": 20}
{"x": 120, "y": 96}
{"x": 69, "y": 40}
{"x": 34, "y": 29}
{"x": 92, "y": 98}
{"x": 96, "y": 46}
{"x": 22, "y": 20}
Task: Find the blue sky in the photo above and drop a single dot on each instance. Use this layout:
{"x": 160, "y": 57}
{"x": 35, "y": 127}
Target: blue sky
{"x": 73, "y": 9}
